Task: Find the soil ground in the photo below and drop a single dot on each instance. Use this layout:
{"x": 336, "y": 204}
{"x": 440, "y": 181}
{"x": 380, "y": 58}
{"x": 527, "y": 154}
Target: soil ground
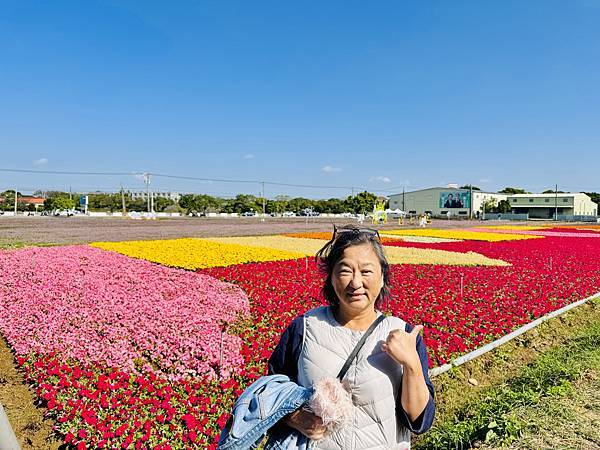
{"x": 74, "y": 230}
{"x": 33, "y": 431}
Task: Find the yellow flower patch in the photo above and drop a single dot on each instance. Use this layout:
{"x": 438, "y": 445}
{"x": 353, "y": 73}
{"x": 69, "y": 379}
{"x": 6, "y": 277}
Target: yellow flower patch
{"x": 327, "y": 235}
{"x": 423, "y": 239}
{"x": 302, "y": 246}
{"x": 408, "y": 255}
{"x": 590, "y": 227}
{"x": 513, "y": 227}
{"x": 192, "y": 254}
{"x": 395, "y": 255}
{"x": 464, "y": 235}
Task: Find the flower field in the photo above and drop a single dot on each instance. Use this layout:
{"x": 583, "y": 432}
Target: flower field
{"x": 195, "y": 253}
{"x": 146, "y": 344}
{"x": 489, "y": 235}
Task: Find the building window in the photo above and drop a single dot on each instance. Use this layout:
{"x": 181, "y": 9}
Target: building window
{"x": 547, "y": 200}
{"x": 444, "y": 212}
{"x": 462, "y": 213}
{"x": 514, "y": 200}
{"x": 565, "y": 200}
{"x": 530, "y": 200}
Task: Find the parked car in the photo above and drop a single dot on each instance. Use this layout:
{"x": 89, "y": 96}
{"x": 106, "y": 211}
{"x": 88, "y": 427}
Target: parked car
{"x": 63, "y": 212}
{"x": 248, "y": 214}
{"x": 309, "y": 212}
{"x": 289, "y": 214}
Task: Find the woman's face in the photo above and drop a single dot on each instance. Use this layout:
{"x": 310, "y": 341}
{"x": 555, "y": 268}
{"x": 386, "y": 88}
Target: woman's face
{"x": 357, "y": 279}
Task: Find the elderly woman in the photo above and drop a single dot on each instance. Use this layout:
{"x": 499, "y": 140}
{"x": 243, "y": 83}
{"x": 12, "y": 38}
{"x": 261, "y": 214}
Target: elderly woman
{"x": 391, "y": 392}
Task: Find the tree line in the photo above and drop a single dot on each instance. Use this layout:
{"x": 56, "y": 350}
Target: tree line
{"x": 193, "y": 203}
{"x": 202, "y": 203}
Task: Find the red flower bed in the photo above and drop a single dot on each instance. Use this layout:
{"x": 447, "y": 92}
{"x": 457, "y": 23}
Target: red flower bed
{"x": 98, "y": 407}
{"x": 545, "y": 275}
{"x": 102, "y": 407}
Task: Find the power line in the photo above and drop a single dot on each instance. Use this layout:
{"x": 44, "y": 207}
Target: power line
{"x": 57, "y": 172}
{"x": 184, "y": 177}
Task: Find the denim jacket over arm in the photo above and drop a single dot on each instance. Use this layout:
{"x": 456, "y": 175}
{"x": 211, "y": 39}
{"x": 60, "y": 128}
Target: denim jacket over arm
{"x": 259, "y": 408}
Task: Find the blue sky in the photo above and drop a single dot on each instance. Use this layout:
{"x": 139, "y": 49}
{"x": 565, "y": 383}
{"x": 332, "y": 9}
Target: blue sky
{"x": 374, "y": 95}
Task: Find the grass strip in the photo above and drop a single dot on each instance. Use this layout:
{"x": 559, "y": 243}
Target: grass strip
{"x": 491, "y": 416}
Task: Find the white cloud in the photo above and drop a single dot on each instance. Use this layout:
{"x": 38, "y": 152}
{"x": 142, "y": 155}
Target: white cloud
{"x": 248, "y": 156}
{"x": 40, "y": 162}
{"x": 484, "y": 180}
{"x": 138, "y": 176}
{"x": 329, "y": 169}
{"x": 381, "y": 179}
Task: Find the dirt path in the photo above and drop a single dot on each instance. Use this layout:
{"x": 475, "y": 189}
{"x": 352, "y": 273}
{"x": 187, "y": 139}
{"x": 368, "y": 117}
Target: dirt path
{"x": 72, "y": 230}
{"x": 32, "y": 430}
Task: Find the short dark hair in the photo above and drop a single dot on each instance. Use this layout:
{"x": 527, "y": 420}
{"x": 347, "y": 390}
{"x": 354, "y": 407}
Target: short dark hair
{"x": 332, "y": 252}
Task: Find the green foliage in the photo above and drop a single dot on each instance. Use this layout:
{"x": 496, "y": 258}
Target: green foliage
{"x": 470, "y": 186}
{"x": 503, "y": 206}
{"x": 105, "y": 202}
{"x": 162, "y": 203}
{"x": 243, "y": 203}
{"x": 59, "y": 201}
{"x": 512, "y": 190}
{"x": 299, "y": 203}
{"x": 331, "y": 206}
{"x": 490, "y": 205}
{"x": 8, "y": 199}
{"x": 491, "y": 416}
{"x": 200, "y": 203}
{"x": 361, "y": 203}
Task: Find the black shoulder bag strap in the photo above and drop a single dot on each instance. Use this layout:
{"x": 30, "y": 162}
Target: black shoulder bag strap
{"x": 359, "y": 346}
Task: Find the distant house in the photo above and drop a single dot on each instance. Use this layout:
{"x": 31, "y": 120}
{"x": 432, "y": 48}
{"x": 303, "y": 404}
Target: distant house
{"x": 37, "y": 202}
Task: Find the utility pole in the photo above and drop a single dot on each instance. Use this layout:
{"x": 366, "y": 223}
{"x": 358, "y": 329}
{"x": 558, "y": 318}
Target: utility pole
{"x": 147, "y": 181}
{"x": 263, "y": 199}
{"x": 403, "y": 203}
{"x": 556, "y": 202}
{"x": 123, "y": 200}
{"x": 471, "y": 201}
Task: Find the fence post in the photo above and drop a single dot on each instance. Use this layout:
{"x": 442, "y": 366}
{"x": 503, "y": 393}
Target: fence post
{"x": 8, "y": 440}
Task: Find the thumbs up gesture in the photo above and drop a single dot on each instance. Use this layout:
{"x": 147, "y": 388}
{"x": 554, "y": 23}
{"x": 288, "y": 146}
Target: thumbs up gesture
{"x": 402, "y": 346}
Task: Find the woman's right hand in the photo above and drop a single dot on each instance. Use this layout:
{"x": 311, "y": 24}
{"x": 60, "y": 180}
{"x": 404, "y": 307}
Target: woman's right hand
{"x": 306, "y": 423}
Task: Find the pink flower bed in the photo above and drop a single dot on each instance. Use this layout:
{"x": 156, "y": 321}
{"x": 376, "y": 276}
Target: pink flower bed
{"x": 548, "y": 233}
{"x": 100, "y": 307}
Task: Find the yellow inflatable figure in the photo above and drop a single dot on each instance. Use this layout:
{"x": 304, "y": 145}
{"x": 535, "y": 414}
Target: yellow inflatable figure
{"x": 379, "y": 214}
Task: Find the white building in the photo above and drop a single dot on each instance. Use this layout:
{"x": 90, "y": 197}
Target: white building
{"x": 452, "y": 201}
{"x": 444, "y": 201}
{"x": 175, "y": 196}
{"x": 544, "y": 206}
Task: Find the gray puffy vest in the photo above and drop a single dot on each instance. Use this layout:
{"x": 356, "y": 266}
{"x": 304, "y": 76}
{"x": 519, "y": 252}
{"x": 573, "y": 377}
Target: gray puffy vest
{"x": 375, "y": 380}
